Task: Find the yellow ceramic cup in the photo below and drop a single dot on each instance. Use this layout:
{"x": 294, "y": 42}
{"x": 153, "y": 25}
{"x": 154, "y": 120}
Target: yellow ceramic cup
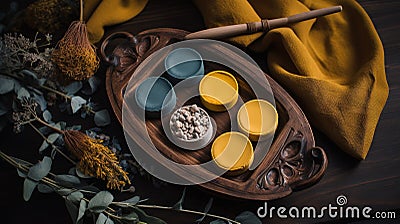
{"x": 219, "y": 91}
{"x": 232, "y": 151}
{"x": 257, "y": 119}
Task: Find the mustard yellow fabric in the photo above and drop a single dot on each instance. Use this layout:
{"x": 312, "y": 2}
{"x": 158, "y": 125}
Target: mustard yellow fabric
{"x": 333, "y": 66}
{"x": 102, "y": 13}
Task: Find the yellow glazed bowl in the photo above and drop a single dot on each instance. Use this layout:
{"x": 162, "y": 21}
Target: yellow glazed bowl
{"x": 258, "y": 119}
{"x": 218, "y": 91}
{"x": 232, "y": 151}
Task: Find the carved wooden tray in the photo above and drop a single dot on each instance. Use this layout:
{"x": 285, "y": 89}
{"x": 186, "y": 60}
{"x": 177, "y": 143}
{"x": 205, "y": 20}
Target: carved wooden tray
{"x": 292, "y": 162}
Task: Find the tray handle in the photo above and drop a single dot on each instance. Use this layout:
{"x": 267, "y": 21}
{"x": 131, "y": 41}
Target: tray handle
{"x": 299, "y": 164}
{"x": 112, "y": 59}
{"x": 320, "y": 163}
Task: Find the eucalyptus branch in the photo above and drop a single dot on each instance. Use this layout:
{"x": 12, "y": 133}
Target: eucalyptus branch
{"x": 44, "y": 87}
{"x": 88, "y": 109}
{"x": 49, "y": 89}
{"x": 52, "y": 145}
{"x": 109, "y": 210}
{"x": 65, "y": 96}
{"x": 112, "y": 215}
{"x": 179, "y": 210}
{"x": 25, "y": 168}
{"x": 28, "y": 121}
{"x": 48, "y": 125}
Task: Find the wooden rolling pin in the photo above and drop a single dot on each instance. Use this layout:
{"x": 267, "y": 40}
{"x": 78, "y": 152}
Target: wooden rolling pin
{"x": 262, "y": 26}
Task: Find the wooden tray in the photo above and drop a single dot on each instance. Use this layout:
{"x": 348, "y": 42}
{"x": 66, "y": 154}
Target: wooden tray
{"x": 292, "y": 162}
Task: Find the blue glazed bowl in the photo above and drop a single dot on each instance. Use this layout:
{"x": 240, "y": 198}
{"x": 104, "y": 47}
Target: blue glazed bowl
{"x": 155, "y": 94}
{"x": 183, "y": 63}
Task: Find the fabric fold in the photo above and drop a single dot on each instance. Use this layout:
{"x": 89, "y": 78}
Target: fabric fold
{"x": 102, "y": 13}
{"x": 332, "y": 66}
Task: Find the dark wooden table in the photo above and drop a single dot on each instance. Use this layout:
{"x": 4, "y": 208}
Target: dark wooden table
{"x": 374, "y": 182}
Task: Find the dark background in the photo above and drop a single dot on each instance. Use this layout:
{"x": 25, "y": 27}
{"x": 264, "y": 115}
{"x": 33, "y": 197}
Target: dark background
{"x": 374, "y": 182}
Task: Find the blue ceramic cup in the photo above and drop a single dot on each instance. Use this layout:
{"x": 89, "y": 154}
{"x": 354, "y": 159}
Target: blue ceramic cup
{"x": 183, "y": 63}
{"x": 155, "y": 94}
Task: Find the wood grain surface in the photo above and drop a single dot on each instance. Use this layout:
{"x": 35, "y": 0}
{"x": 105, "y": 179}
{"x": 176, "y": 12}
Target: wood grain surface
{"x": 374, "y": 182}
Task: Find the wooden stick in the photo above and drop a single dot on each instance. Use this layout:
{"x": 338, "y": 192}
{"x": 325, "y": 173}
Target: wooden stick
{"x": 261, "y": 26}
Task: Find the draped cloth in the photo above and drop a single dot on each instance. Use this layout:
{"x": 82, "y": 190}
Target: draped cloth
{"x": 332, "y": 66}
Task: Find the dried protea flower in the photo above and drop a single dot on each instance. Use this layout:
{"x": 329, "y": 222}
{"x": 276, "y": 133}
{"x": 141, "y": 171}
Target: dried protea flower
{"x": 49, "y": 16}
{"x": 74, "y": 55}
{"x": 96, "y": 159}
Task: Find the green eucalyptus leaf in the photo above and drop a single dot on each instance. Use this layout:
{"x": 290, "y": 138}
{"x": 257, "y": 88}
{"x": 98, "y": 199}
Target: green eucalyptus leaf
{"x": 75, "y": 197}
{"x": 29, "y": 76}
{"x": 131, "y": 217}
{"x": 33, "y": 90}
{"x": 42, "y": 81}
{"x": 102, "y": 118}
{"x": 39, "y": 98}
{"x": 102, "y": 219}
{"x": 76, "y": 103}
{"x": 84, "y": 113}
{"x": 178, "y": 205}
{"x": 132, "y": 201}
{"x": 72, "y": 88}
{"x": 6, "y": 84}
{"x": 109, "y": 221}
{"x": 75, "y": 127}
{"x": 53, "y": 153}
{"x": 53, "y": 137}
{"x": 40, "y": 169}
{"x": 17, "y": 86}
{"x": 72, "y": 209}
{"x": 23, "y": 93}
{"x": 80, "y": 174}
{"x": 94, "y": 83}
{"x": 218, "y": 221}
{"x": 43, "y": 188}
{"x": 29, "y": 187}
{"x": 206, "y": 210}
{"x": 61, "y": 125}
{"x": 43, "y": 146}
{"x": 64, "y": 191}
{"x": 248, "y": 217}
{"x": 47, "y": 116}
{"x": 21, "y": 173}
{"x": 143, "y": 217}
{"x": 82, "y": 210}
{"x": 67, "y": 180}
{"x": 22, "y": 162}
{"x": 46, "y": 130}
{"x": 71, "y": 171}
{"x": 100, "y": 201}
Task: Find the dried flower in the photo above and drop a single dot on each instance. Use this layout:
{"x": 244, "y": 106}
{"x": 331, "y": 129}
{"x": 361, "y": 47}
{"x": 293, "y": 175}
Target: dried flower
{"x": 96, "y": 159}
{"x": 18, "y": 52}
{"x": 75, "y": 56}
{"x": 51, "y": 15}
{"x": 27, "y": 113}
